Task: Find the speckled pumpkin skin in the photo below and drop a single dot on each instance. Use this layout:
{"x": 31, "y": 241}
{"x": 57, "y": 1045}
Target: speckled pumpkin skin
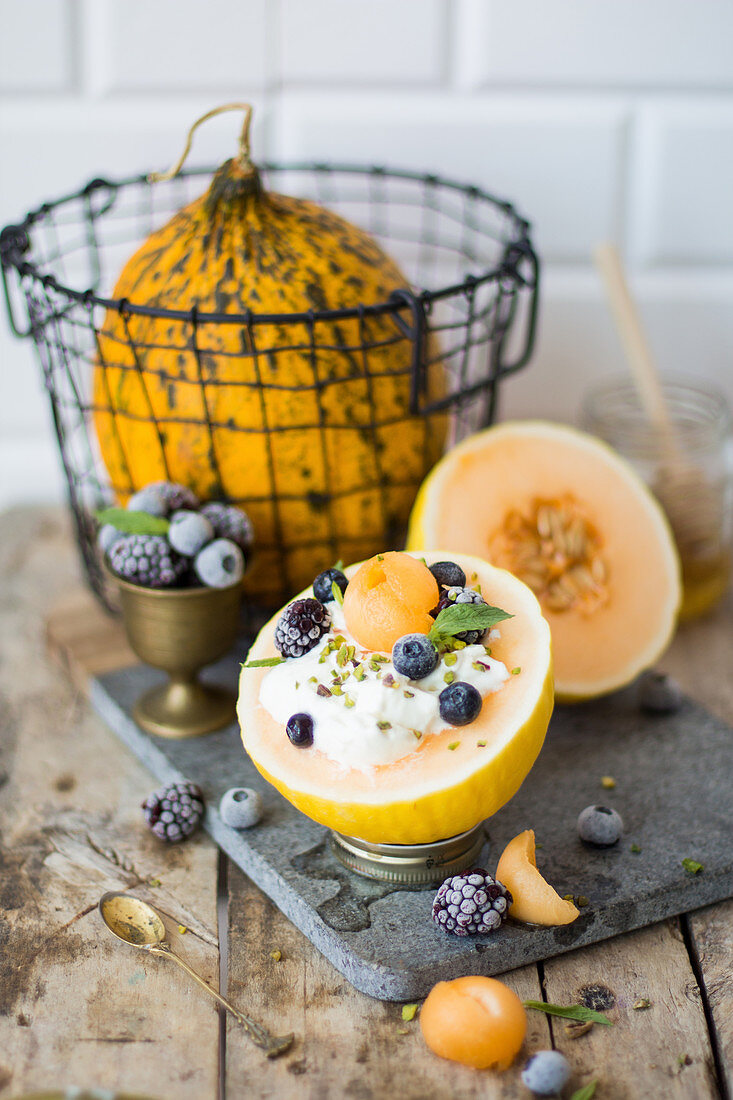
{"x": 325, "y": 459}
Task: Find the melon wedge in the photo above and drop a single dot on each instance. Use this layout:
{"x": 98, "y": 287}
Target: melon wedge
{"x": 574, "y": 520}
{"x": 433, "y": 792}
{"x": 535, "y": 901}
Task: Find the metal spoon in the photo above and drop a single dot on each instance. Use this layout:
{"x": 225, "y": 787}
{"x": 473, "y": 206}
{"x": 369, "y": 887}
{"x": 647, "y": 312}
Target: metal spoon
{"x": 135, "y": 922}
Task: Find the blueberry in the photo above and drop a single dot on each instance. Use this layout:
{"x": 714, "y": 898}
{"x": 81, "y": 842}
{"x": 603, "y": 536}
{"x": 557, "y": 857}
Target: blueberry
{"x": 300, "y": 730}
{"x": 240, "y": 808}
{"x": 414, "y": 656}
{"x": 150, "y": 500}
{"x": 459, "y": 703}
{"x": 219, "y": 564}
{"x": 546, "y": 1073}
{"x": 107, "y": 536}
{"x": 599, "y": 826}
{"x": 659, "y": 694}
{"x": 322, "y": 584}
{"x": 448, "y": 574}
{"x": 189, "y": 532}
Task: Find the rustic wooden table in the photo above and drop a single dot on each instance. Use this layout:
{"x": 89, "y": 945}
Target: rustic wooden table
{"x": 77, "y": 1008}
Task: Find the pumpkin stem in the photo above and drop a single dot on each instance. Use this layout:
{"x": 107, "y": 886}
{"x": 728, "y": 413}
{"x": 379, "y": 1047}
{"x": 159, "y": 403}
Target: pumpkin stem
{"x": 244, "y": 157}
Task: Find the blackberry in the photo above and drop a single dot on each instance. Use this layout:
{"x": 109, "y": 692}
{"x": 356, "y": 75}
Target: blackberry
{"x": 448, "y": 574}
{"x": 599, "y": 826}
{"x": 229, "y": 523}
{"x": 457, "y": 594}
{"x": 471, "y": 903}
{"x": 414, "y": 656}
{"x": 174, "y": 812}
{"x": 176, "y": 496}
{"x": 322, "y": 589}
{"x": 300, "y": 730}
{"x": 459, "y": 703}
{"x": 146, "y": 560}
{"x": 301, "y": 626}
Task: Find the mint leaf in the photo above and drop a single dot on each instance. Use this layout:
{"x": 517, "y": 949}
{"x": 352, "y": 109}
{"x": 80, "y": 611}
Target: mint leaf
{"x": 586, "y": 1093}
{"x": 465, "y": 616}
{"x": 266, "y": 662}
{"x": 132, "y": 522}
{"x": 569, "y": 1012}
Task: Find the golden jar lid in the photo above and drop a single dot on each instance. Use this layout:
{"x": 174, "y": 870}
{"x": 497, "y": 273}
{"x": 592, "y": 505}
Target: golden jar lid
{"x": 410, "y": 864}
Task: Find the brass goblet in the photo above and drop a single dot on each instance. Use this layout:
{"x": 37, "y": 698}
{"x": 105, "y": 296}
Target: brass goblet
{"x": 180, "y": 630}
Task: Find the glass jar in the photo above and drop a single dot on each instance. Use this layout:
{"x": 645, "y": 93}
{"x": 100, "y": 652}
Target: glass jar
{"x": 688, "y": 464}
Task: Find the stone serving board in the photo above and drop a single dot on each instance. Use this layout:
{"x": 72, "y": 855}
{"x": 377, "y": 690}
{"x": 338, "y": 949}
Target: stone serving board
{"x": 674, "y": 791}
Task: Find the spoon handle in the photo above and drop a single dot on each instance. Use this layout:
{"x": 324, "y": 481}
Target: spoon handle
{"x": 273, "y": 1045}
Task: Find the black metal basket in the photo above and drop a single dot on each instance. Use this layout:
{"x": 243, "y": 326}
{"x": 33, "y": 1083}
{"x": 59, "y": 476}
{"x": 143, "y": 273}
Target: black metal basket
{"x": 470, "y": 308}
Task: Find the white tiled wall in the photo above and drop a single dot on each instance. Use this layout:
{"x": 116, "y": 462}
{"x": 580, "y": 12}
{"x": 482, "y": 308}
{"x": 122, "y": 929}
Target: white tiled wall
{"x": 598, "y": 118}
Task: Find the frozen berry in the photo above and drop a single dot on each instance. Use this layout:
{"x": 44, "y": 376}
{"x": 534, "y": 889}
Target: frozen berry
{"x": 471, "y": 903}
{"x": 599, "y": 826}
{"x": 301, "y": 626}
{"x": 300, "y": 730}
{"x": 146, "y": 560}
{"x": 107, "y": 535}
{"x": 229, "y": 523}
{"x": 659, "y": 693}
{"x": 460, "y": 595}
{"x": 459, "y": 703}
{"x": 174, "y": 812}
{"x": 322, "y": 585}
{"x": 150, "y": 500}
{"x": 219, "y": 564}
{"x": 414, "y": 656}
{"x": 448, "y": 574}
{"x": 546, "y": 1073}
{"x": 189, "y": 532}
{"x": 241, "y": 808}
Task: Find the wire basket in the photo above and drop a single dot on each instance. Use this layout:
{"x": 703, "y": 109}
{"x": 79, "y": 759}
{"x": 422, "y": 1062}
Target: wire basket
{"x": 469, "y": 311}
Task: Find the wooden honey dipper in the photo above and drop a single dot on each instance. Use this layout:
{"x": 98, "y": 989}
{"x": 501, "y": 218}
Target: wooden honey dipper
{"x": 691, "y": 503}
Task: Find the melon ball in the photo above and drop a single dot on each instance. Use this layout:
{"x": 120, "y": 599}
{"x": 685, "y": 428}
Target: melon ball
{"x": 477, "y": 1021}
{"x": 391, "y": 595}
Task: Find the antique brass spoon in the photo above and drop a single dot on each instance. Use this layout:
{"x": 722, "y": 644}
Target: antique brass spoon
{"x": 135, "y": 922}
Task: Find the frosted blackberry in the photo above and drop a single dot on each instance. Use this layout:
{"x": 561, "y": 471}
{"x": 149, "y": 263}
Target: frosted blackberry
{"x": 457, "y": 594}
{"x": 471, "y": 903}
{"x": 459, "y": 703}
{"x": 301, "y": 626}
{"x": 147, "y": 560}
{"x": 414, "y": 656}
{"x": 659, "y": 693}
{"x": 176, "y": 496}
{"x": 229, "y": 523}
{"x": 448, "y": 574}
{"x": 322, "y": 589}
{"x": 599, "y": 826}
{"x": 189, "y": 532}
{"x": 174, "y": 812}
{"x": 546, "y": 1073}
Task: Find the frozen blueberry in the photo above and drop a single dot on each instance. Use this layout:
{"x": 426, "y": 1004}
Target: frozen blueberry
{"x": 546, "y": 1073}
{"x": 189, "y": 532}
{"x": 414, "y": 656}
{"x": 151, "y": 499}
{"x": 459, "y": 703}
{"x": 599, "y": 826}
{"x": 448, "y": 574}
{"x": 659, "y": 693}
{"x": 322, "y": 589}
{"x": 241, "y": 808}
{"x": 300, "y": 730}
{"x": 107, "y": 536}
{"x": 219, "y": 564}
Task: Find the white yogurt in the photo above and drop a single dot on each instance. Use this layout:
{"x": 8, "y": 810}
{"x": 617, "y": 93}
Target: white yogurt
{"x": 380, "y": 718}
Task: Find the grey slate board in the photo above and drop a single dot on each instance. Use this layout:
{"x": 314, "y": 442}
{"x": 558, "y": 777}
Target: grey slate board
{"x": 674, "y": 792}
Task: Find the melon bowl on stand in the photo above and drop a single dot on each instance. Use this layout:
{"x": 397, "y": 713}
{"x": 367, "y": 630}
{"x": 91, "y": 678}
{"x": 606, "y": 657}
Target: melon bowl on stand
{"x": 405, "y": 808}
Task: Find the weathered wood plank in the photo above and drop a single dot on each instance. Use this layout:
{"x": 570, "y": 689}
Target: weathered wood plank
{"x": 348, "y": 1045}
{"x": 646, "y": 1051}
{"x": 76, "y": 1006}
{"x": 85, "y": 638}
{"x": 712, "y": 933}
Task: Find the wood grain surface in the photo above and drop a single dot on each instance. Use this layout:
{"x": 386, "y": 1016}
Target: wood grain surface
{"x": 78, "y": 1008}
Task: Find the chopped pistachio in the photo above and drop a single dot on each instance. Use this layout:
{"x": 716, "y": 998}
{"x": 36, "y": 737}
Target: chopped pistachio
{"x": 336, "y": 689}
{"x": 338, "y": 641}
{"x": 479, "y": 666}
{"x": 389, "y": 681}
{"x": 322, "y": 658}
{"x": 343, "y": 655}
{"x": 416, "y": 733}
{"x": 449, "y": 677}
{"x": 474, "y": 578}
{"x": 487, "y": 650}
{"x": 458, "y": 643}
{"x": 182, "y": 929}
{"x": 480, "y": 744}
{"x": 574, "y": 1031}
{"x": 516, "y": 671}
{"x": 478, "y": 589}
{"x": 337, "y": 593}
{"x": 154, "y": 882}
{"x": 312, "y": 679}
{"x": 408, "y": 694}
{"x": 276, "y": 955}
{"x": 409, "y": 1012}
{"x": 381, "y": 658}
{"x": 454, "y": 745}
{"x": 581, "y": 901}
{"x": 450, "y": 658}
{"x": 403, "y": 1031}
{"x": 297, "y": 684}
{"x": 692, "y": 866}
{"x": 643, "y": 1002}
{"x": 380, "y": 557}
{"x": 350, "y": 651}
{"x": 635, "y": 848}
{"x": 359, "y": 672}
{"x": 382, "y": 725}
{"x": 323, "y": 690}
{"x": 349, "y": 700}
{"x": 567, "y": 897}
{"x": 608, "y": 782}
{"x": 373, "y": 665}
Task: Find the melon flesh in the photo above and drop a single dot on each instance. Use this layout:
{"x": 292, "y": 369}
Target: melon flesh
{"x": 433, "y": 792}
{"x": 467, "y": 497}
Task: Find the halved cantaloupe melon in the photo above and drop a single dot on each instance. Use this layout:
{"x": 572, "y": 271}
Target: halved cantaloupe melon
{"x": 574, "y": 521}
{"x": 433, "y": 792}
